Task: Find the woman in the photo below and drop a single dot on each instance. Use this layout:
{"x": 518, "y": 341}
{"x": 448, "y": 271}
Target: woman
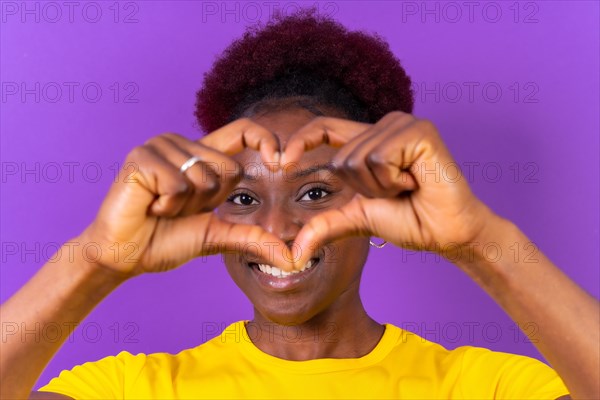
{"x": 312, "y": 150}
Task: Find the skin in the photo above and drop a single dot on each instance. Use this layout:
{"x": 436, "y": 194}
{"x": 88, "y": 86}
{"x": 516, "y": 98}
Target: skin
{"x": 157, "y": 211}
{"x": 327, "y": 305}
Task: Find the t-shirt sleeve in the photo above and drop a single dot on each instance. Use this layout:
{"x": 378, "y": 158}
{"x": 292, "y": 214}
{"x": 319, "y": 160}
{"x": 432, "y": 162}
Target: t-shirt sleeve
{"x": 103, "y": 379}
{"x": 493, "y": 374}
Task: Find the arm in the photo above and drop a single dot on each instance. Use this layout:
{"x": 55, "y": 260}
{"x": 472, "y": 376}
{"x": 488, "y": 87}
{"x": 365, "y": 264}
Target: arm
{"x": 396, "y": 166}
{"x": 158, "y": 217}
{"x": 567, "y": 318}
{"x": 60, "y": 293}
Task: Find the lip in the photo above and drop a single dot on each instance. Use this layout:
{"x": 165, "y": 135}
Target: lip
{"x": 287, "y": 283}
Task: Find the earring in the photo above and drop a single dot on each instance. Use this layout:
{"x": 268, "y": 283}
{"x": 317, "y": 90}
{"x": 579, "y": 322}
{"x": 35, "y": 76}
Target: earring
{"x": 379, "y": 246}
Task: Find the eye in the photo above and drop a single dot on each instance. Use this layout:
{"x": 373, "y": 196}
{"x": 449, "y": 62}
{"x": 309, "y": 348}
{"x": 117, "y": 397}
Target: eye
{"x": 314, "y": 194}
{"x": 242, "y": 199}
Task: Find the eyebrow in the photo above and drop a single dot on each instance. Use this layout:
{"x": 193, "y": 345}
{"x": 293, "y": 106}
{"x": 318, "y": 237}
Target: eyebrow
{"x": 299, "y": 174}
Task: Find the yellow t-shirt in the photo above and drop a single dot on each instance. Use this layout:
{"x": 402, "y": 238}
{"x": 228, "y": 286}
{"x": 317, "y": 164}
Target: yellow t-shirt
{"x": 402, "y": 365}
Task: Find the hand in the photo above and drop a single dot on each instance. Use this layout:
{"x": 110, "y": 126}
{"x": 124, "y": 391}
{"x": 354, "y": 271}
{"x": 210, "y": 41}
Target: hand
{"x": 410, "y": 191}
{"x": 157, "y": 218}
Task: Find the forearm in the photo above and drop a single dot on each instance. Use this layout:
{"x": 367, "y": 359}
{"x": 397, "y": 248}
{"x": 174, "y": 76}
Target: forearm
{"x": 535, "y": 290}
{"x": 60, "y": 294}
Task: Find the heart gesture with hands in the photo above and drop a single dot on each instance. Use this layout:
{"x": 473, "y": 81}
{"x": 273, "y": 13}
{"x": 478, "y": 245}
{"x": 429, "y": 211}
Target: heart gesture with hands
{"x": 159, "y": 217}
{"x": 162, "y": 218}
{"x": 397, "y": 167}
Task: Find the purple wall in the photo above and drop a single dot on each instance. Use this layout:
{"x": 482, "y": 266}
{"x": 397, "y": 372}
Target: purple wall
{"x": 513, "y": 88}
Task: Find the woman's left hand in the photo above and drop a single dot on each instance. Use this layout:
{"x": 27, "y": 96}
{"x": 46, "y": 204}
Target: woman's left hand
{"x": 410, "y": 190}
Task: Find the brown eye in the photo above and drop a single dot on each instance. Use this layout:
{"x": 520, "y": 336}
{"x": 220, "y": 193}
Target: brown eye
{"x": 243, "y": 199}
{"x": 314, "y": 194}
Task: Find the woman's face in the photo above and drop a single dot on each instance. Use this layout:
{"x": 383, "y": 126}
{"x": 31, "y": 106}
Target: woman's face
{"x": 281, "y": 203}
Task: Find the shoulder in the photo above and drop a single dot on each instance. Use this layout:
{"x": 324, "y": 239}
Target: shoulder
{"x": 217, "y": 347}
{"x": 478, "y": 371}
{"x": 117, "y": 374}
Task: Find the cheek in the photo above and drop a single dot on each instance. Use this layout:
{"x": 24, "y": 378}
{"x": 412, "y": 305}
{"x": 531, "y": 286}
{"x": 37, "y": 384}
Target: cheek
{"x": 235, "y": 269}
{"x": 224, "y": 215}
{"x": 228, "y": 212}
{"x": 351, "y": 254}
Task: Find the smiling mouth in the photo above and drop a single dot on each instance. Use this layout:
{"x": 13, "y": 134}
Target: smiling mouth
{"x": 278, "y": 273}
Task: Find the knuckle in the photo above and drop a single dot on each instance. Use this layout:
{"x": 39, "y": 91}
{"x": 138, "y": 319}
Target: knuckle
{"x": 395, "y": 115}
{"x": 399, "y": 118}
{"x": 375, "y": 158}
{"x": 351, "y": 164}
{"x": 155, "y": 141}
{"x": 138, "y": 153}
{"x": 426, "y": 126}
{"x": 210, "y": 186}
{"x": 171, "y": 136}
{"x": 173, "y": 183}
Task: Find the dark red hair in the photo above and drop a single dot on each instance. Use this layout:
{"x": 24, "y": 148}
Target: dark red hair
{"x": 306, "y": 55}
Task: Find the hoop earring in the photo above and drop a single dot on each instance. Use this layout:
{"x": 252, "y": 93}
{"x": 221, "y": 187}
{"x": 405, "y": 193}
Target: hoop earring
{"x": 378, "y": 246}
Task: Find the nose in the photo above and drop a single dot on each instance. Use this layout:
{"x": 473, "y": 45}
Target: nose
{"x": 281, "y": 221}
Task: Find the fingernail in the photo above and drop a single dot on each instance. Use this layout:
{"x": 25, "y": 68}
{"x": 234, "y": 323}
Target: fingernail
{"x": 277, "y": 157}
{"x": 282, "y": 159}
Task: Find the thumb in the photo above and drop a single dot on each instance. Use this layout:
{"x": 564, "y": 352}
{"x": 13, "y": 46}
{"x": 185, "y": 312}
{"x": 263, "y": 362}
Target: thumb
{"x": 222, "y": 236}
{"x": 331, "y": 225}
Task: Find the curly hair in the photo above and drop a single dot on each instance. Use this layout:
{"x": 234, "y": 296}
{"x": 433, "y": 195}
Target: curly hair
{"x": 311, "y": 58}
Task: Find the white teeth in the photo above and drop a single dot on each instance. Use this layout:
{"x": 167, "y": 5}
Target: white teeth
{"x": 308, "y": 264}
{"x": 267, "y": 269}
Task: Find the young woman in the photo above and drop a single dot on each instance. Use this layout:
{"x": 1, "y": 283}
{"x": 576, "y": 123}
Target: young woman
{"x": 312, "y": 149}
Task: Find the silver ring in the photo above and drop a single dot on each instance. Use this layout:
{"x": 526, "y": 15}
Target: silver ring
{"x": 189, "y": 163}
{"x": 379, "y": 246}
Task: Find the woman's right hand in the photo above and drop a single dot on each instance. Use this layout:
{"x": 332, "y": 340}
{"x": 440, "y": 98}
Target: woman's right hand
{"x": 156, "y": 218}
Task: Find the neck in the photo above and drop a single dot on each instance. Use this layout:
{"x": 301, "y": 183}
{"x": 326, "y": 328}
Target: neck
{"x": 337, "y": 332}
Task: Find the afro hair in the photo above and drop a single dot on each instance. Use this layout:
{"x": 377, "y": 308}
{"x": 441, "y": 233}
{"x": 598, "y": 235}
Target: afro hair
{"x": 307, "y": 56}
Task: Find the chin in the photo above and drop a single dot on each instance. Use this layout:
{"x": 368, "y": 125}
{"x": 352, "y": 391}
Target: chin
{"x": 284, "y": 312}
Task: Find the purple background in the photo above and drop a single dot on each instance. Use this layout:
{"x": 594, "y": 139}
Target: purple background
{"x": 543, "y": 56}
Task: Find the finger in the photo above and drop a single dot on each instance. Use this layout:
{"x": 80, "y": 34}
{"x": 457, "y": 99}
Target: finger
{"x": 321, "y": 130}
{"x": 392, "y": 178}
{"x": 355, "y": 160}
{"x": 245, "y": 133}
{"x": 248, "y": 239}
{"x": 214, "y": 167}
{"x": 331, "y": 225}
{"x": 353, "y": 168}
{"x": 367, "y": 140}
{"x": 164, "y": 189}
{"x": 203, "y": 184}
{"x": 422, "y": 155}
